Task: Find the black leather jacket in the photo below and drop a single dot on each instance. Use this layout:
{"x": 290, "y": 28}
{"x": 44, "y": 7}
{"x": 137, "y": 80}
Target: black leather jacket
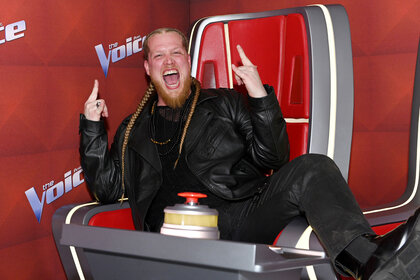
{"x": 229, "y": 145}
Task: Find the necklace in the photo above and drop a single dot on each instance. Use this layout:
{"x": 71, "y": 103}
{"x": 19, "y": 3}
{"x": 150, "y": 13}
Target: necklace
{"x": 153, "y": 127}
{"x": 160, "y": 143}
{"x": 163, "y": 120}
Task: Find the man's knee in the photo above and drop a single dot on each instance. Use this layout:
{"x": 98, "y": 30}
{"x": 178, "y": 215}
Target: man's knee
{"x": 316, "y": 161}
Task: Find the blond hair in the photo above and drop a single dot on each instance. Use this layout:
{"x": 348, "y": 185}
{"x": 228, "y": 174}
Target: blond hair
{"x": 146, "y": 49}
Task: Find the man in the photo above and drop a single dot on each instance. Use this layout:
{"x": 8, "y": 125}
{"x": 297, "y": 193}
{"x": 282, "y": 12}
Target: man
{"x": 183, "y": 138}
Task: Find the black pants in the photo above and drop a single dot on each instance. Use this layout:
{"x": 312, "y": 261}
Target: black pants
{"x": 311, "y": 186}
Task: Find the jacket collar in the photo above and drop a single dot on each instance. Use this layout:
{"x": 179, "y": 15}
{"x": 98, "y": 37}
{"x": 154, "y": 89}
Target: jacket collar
{"x": 200, "y": 119}
{"x": 206, "y": 94}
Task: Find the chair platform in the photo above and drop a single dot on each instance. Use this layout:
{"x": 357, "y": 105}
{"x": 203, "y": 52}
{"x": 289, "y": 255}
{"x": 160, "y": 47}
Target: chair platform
{"x": 127, "y": 254}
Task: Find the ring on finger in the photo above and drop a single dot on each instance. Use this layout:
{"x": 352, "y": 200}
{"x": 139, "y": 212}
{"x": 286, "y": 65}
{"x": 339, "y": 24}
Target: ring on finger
{"x": 98, "y": 103}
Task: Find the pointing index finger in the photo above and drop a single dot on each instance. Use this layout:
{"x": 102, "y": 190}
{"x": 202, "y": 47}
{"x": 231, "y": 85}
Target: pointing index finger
{"x": 94, "y": 95}
{"x": 245, "y": 60}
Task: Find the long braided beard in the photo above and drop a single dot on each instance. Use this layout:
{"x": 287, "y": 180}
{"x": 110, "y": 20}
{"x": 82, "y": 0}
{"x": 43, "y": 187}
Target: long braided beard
{"x": 173, "y": 101}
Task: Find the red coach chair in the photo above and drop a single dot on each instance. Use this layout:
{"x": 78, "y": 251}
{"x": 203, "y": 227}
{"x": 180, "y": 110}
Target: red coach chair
{"x": 305, "y": 54}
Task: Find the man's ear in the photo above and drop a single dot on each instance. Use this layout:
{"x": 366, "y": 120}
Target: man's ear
{"x": 146, "y": 67}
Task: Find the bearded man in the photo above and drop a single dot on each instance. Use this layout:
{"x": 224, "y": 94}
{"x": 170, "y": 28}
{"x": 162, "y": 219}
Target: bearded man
{"x": 220, "y": 143}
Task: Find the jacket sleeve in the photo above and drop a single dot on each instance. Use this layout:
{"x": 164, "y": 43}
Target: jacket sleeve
{"x": 264, "y": 128}
{"x": 101, "y": 166}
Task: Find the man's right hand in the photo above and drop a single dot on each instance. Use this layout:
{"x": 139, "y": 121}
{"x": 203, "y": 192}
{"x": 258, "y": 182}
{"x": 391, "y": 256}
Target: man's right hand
{"x": 95, "y": 108}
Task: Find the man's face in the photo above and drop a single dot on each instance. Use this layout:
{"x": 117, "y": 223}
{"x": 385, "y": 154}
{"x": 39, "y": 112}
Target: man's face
{"x": 169, "y": 68}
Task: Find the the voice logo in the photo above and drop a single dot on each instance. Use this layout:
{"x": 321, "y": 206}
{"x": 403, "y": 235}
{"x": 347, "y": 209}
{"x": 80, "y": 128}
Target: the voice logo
{"x": 116, "y": 53}
{"x": 52, "y": 191}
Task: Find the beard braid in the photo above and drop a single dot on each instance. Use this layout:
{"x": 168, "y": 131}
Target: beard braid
{"x": 174, "y": 102}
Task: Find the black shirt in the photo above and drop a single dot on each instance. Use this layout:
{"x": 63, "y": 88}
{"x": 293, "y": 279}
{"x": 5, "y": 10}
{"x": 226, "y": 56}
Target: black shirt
{"x": 165, "y": 125}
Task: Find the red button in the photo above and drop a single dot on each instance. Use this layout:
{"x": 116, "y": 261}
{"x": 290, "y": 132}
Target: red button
{"x": 192, "y": 197}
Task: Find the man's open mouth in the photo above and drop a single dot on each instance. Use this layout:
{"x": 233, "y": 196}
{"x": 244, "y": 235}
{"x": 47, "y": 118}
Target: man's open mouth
{"x": 171, "y": 78}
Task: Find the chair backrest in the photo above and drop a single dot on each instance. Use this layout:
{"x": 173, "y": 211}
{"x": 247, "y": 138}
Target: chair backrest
{"x": 305, "y": 54}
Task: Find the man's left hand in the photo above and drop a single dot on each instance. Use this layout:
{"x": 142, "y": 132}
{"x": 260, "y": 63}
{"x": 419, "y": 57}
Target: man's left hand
{"x": 247, "y": 75}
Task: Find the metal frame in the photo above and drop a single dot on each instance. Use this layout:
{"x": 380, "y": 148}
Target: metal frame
{"x": 401, "y": 209}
